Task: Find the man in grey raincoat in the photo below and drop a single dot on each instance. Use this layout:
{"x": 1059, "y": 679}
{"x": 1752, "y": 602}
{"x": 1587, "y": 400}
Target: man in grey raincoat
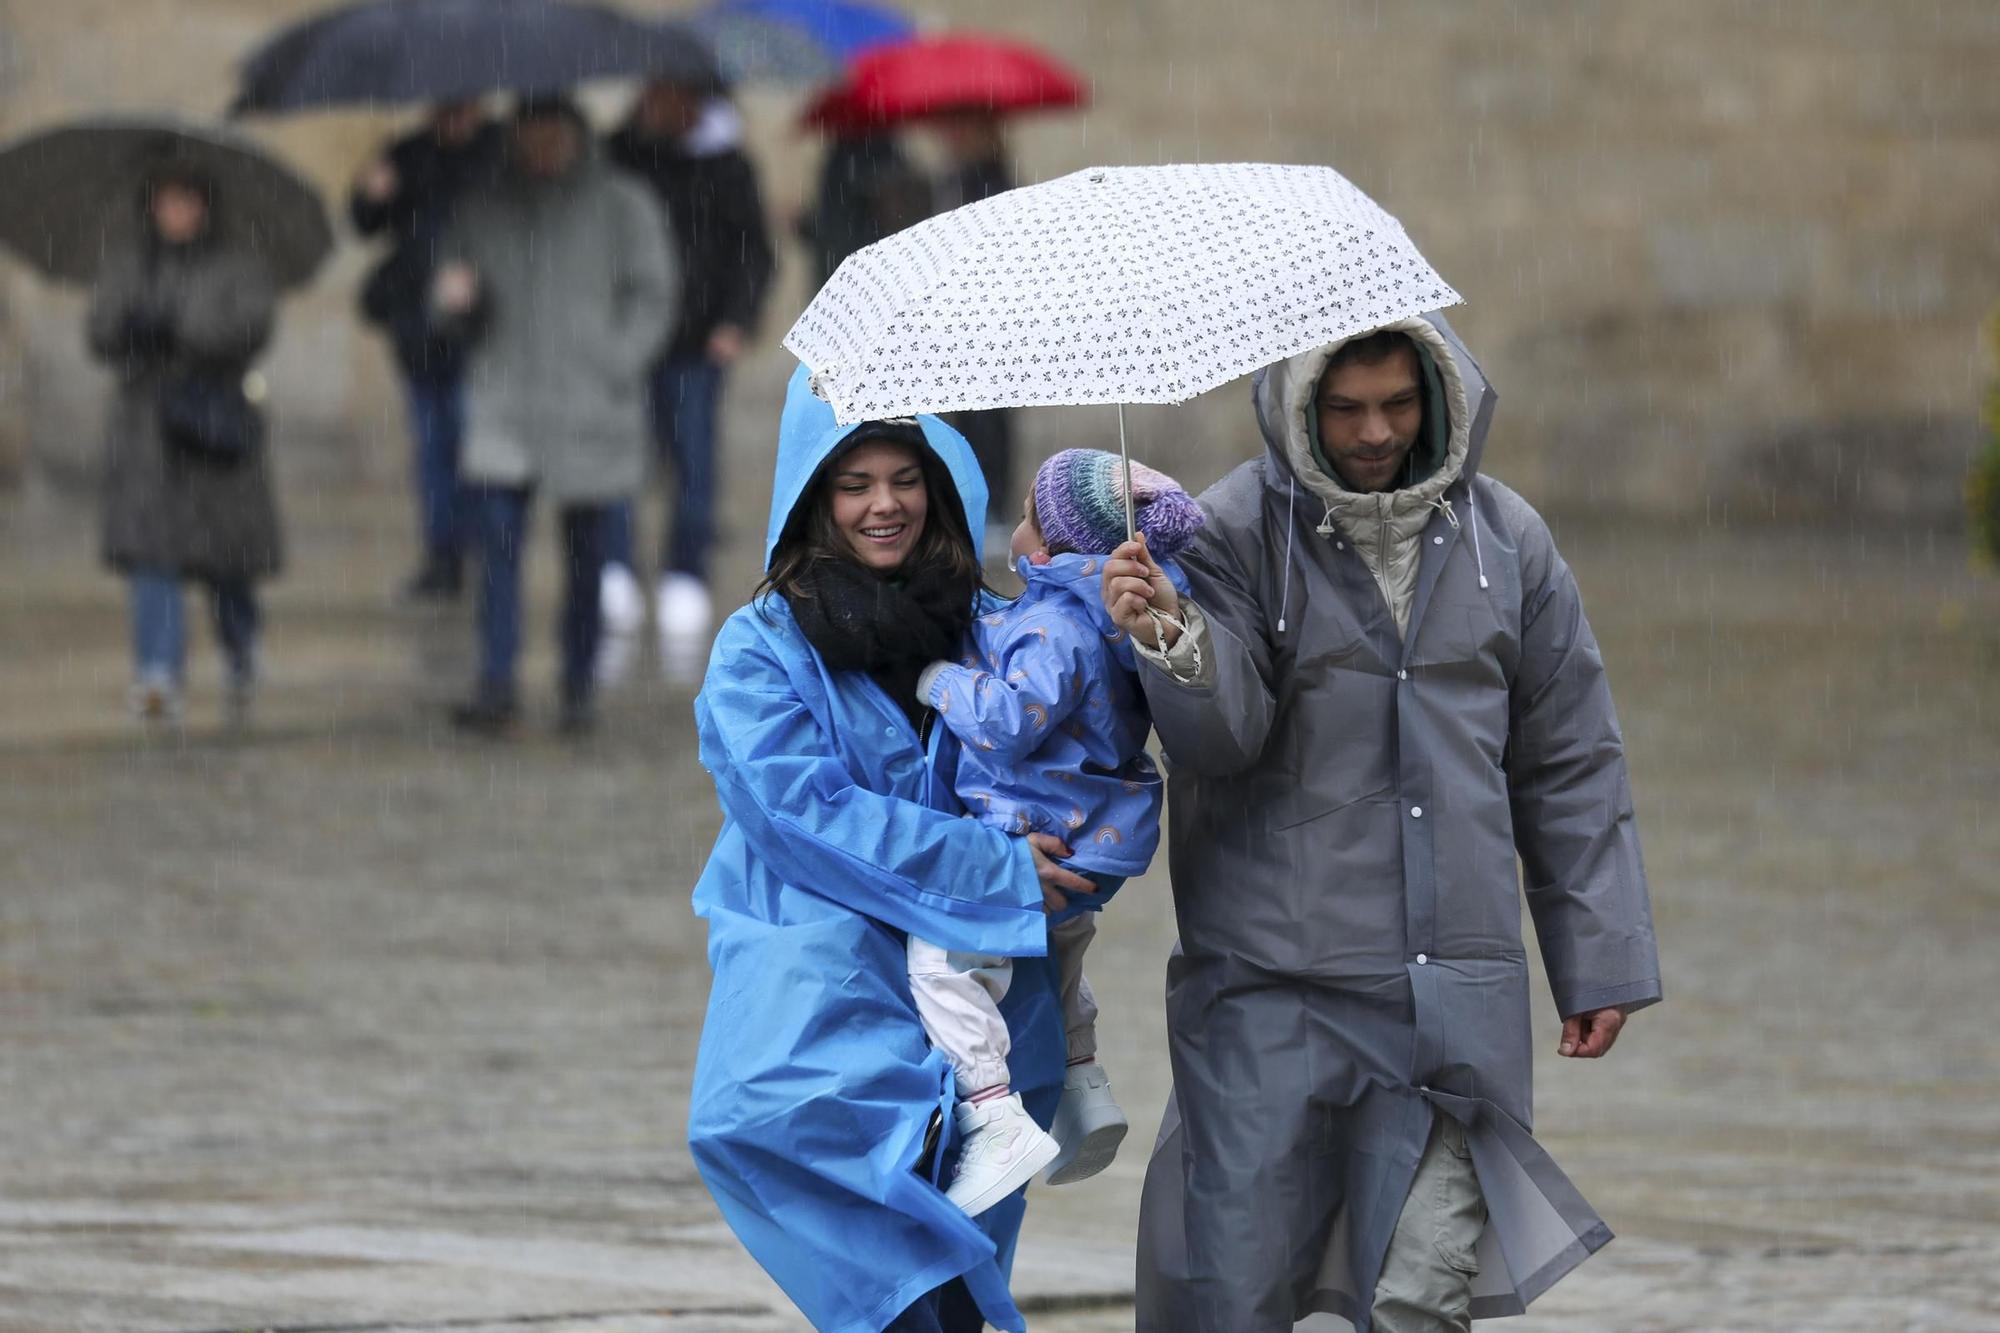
{"x": 1385, "y": 691}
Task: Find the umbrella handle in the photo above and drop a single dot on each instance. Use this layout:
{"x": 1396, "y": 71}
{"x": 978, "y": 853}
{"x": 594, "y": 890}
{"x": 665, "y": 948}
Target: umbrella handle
{"x": 1125, "y": 457}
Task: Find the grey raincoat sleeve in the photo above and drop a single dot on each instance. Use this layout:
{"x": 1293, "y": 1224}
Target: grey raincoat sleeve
{"x": 1217, "y": 725}
{"x": 1572, "y": 802}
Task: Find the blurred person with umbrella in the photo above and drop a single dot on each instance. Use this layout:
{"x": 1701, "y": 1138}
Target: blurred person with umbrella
{"x": 1381, "y": 691}
{"x": 559, "y": 279}
{"x": 407, "y": 192}
{"x": 449, "y": 53}
{"x": 185, "y": 237}
{"x": 867, "y": 188}
{"x": 961, "y": 86}
{"x": 978, "y": 166}
{"x": 686, "y": 141}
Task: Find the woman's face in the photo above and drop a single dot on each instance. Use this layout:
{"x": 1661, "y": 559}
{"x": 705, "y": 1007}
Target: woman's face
{"x": 179, "y": 213}
{"x": 879, "y": 503}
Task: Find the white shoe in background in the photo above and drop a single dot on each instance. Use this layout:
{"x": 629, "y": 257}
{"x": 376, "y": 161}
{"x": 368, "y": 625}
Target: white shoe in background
{"x": 1002, "y": 1149}
{"x": 1089, "y": 1125}
{"x": 154, "y": 697}
{"x": 685, "y": 618}
{"x": 622, "y": 613}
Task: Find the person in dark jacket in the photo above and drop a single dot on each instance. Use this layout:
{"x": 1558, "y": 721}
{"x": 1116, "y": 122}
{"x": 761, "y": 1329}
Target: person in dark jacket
{"x": 868, "y": 188}
{"x": 406, "y": 194}
{"x": 175, "y": 307}
{"x": 978, "y": 168}
{"x": 686, "y": 143}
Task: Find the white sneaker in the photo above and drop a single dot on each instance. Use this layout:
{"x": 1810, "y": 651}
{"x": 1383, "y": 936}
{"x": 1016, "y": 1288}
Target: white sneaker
{"x": 1089, "y": 1125}
{"x": 154, "y": 698}
{"x": 1002, "y": 1149}
{"x": 622, "y": 612}
{"x": 685, "y": 618}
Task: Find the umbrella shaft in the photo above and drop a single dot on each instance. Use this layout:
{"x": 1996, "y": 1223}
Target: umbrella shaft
{"x": 1125, "y": 458}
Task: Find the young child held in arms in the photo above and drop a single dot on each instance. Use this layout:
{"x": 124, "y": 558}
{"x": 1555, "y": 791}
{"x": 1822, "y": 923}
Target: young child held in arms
{"x": 1053, "y": 727}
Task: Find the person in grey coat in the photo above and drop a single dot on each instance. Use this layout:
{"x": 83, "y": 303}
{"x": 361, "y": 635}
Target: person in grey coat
{"x": 559, "y": 278}
{"x": 1381, "y": 690}
{"x": 179, "y": 304}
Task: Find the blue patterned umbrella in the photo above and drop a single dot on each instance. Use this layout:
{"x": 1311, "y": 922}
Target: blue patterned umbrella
{"x": 795, "y": 41}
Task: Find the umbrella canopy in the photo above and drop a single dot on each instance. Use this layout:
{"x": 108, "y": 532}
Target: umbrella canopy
{"x": 958, "y": 72}
{"x": 1111, "y": 285}
{"x": 795, "y": 41}
{"x": 70, "y": 194}
{"x": 394, "y": 51}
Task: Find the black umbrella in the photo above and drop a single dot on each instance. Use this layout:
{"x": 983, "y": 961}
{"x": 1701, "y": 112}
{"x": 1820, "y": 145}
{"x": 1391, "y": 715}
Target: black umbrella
{"x": 70, "y": 194}
{"x": 445, "y": 50}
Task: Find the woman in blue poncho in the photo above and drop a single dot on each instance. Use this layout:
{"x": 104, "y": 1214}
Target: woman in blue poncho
{"x": 818, "y": 1114}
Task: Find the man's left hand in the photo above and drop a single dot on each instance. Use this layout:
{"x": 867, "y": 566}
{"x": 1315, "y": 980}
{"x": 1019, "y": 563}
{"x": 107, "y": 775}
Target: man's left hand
{"x": 1589, "y": 1035}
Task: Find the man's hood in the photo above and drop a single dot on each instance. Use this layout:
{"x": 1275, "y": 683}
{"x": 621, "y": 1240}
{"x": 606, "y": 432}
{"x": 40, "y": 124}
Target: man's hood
{"x": 808, "y": 436}
{"x": 1284, "y": 392}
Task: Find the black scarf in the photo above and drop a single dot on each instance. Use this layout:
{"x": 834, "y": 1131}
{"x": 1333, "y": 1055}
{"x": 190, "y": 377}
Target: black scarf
{"x": 890, "y": 627}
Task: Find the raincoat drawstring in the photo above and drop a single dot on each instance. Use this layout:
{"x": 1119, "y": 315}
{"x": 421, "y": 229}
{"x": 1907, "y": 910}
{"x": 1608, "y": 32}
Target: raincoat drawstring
{"x": 1285, "y": 597}
{"x": 1473, "y": 518}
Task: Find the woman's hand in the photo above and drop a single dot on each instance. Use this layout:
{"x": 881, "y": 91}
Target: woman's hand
{"x": 1134, "y": 582}
{"x": 378, "y": 182}
{"x": 1057, "y": 882}
{"x": 455, "y": 290}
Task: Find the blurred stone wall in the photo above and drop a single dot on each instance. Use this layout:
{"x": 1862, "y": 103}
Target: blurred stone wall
{"x": 1723, "y": 258}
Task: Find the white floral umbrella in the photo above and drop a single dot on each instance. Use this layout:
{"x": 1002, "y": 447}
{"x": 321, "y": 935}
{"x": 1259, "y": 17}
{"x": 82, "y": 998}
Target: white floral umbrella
{"x": 1111, "y": 285}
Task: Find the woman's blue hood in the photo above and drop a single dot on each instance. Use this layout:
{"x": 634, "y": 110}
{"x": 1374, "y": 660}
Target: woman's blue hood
{"x": 808, "y": 435}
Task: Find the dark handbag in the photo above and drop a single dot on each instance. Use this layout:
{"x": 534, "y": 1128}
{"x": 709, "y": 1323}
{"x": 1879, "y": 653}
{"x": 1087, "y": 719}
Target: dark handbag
{"x": 206, "y": 415}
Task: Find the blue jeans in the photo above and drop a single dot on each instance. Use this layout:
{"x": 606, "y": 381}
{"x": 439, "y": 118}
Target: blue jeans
{"x": 500, "y": 520}
{"x": 437, "y": 427}
{"x": 686, "y": 395}
{"x": 159, "y": 625}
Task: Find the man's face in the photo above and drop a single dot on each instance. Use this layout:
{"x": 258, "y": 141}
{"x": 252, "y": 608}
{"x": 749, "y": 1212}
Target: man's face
{"x": 546, "y": 145}
{"x": 455, "y": 124}
{"x": 1370, "y": 417}
{"x": 667, "y": 110}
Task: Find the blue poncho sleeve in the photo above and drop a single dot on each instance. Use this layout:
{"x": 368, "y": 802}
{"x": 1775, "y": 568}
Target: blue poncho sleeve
{"x": 792, "y": 786}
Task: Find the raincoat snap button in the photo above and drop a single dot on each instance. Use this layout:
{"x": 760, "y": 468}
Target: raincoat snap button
{"x": 1416, "y": 812}
{"x": 1340, "y": 546}
{"x": 1423, "y": 958}
{"x": 1437, "y": 541}
{"x": 1402, "y": 675}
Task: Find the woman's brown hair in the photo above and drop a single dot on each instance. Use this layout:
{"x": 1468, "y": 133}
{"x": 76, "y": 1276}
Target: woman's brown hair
{"x": 810, "y": 536}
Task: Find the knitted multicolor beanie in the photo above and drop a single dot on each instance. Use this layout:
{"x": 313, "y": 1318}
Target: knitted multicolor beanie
{"x": 1080, "y": 505}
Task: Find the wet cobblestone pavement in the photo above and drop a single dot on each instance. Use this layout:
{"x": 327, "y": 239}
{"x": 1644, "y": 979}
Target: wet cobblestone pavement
{"x": 343, "y": 1021}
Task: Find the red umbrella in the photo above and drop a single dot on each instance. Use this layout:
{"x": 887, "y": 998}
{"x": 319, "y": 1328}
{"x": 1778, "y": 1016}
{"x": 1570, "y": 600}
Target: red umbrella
{"x": 929, "y": 75}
